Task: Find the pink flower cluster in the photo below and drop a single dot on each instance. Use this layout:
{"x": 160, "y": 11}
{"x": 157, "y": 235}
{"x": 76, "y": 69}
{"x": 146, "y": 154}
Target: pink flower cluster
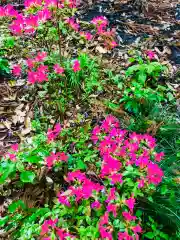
{"x": 37, "y": 71}
{"x": 8, "y": 11}
{"x": 101, "y": 24}
{"x": 28, "y": 24}
{"x": 53, "y": 133}
{"x": 150, "y": 54}
{"x": 86, "y": 35}
{"x": 85, "y": 190}
{"x": 50, "y": 3}
{"x": 12, "y": 155}
{"x": 50, "y": 225}
{"x": 73, "y": 24}
{"x": 58, "y": 69}
{"x": 55, "y": 157}
{"x": 118, "y": 150}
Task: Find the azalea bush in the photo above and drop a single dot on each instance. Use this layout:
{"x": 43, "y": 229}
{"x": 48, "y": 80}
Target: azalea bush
{"x": 101, "y": 204}
{"x": 83, "y": 179}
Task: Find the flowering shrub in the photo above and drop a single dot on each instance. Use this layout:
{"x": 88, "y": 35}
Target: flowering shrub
{"x": 128, "y": 171}
{"x": 103, "y": 203}
{"x": 96, "y": 205}
{"x": 22, "y": 162}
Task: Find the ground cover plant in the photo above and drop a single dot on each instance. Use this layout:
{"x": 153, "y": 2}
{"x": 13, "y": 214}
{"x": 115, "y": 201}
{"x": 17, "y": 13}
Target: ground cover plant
{"x": 76, "y": 175}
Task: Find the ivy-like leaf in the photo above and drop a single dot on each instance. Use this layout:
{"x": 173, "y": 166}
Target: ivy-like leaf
{"x": 27, "y": 177}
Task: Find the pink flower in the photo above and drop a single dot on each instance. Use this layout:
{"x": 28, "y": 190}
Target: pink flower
{"x": 51, "y": 3}
{"x": 142, "y": 162}
{"x": 100, "y": 21}
{"x": 52, "y": 134}
{"x": 2, "y": 12}
{"x": 30, "y": 63}
{"x": 41, "y": 56}
{"x": 113, "y": 44}
{"x": 105, "y": 233}
{"x": 63, "y": 200}
{"x": 47, "y": 224}
{"x": 44, "y": 15}
{"x": 159, "y": 156}
{"x": 111, "y": 196}
{"x": 77, "y": 191}
{"x": 76, "y": 66}
{"x": 124, "y": 236}
{"x": 88, "y": 36}
{"x": 32, "y": 21}
{"x": 11, "y": 156}
{"x": 137, "y": 229}
{"x": 96, "y": 204}
{"x": 58, "y": 69}
{"x": 15, "y": 147}
{"x": 128, "y": 216}
{"x": 73, "y": 24}
{"x": 155, "y": 173}
{"x": 50, "y": 160}
{"x": 141, "y": 183}
{"x": 30, "y": 3}
{"x": 32, "y": 77}
{"x": 150, "y": 141}
{"x": 112, "y": 208}
{"x": 63, "y": 235}
{"x": 89, "y": 187}
{"x": 109, "y": 123}
{"x": 95, "y": 134}
{"x": 110, "y": 165}
{"x": 72, "y": 176}
{"x": 150, "y": 54}
{"x": 16, "y": 70}
{"x": 116, "y": 178}
{"x": 62, "y": 156}
{"x": 130, "y": 203}
{"x": 104, "y": 219}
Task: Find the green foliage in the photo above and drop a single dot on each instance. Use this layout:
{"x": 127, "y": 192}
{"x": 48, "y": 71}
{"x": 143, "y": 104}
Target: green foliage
{"x": 154, "y": 231}
{"x": 4, "y": 65}
{"x": 142, "y": 90}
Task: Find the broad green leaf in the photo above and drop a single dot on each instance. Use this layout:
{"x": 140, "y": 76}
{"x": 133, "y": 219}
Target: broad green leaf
{"x": 33, "y": 159}
{"x": 6, "y": 169}
{"x": 27, "y": 176}
{"x": 149, "y": 235}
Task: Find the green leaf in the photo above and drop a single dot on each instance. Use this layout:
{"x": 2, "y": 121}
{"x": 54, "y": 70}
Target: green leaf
{"x": 139, "y": 213}
{"x": 33, "y": 159}
{"x": 164, "y": 236}
{"x": 116, "y": 223}
{"x": 164, "y": 189}
{"x": 81, "y": 165}
{"x": 149, "y": 235}
{"x": 20, "y": 166}
{"x": 170, "y": 96}
{"x": 3, "y": 220}
{"x": 9, "y": 42}
{"x": 142, "y": 77}
{"x": 15, "y": 205}
{"x": 27, "y": 176}
{"x": 6, "y": 169}
{"x": 131, "y": 60}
